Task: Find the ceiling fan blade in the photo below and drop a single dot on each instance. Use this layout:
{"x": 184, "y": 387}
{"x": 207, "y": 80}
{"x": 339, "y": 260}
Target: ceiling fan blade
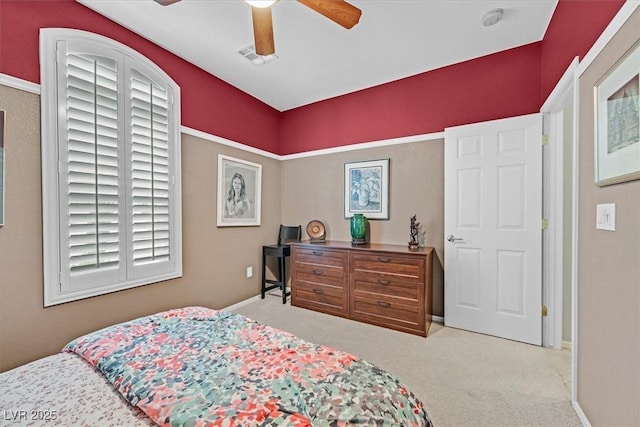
{"x": 339, "y": 11}
{"x": 263, "y": 30}
{"x": 166, "y": 2}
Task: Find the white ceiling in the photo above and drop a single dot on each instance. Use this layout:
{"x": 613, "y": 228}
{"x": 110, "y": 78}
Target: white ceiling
{"x": 318, "y": 59}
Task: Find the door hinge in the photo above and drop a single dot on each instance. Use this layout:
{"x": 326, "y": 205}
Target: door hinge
{"x": 545, "y": 223}
{"x": 545, "y": 139}
{"x": 544, "y": 310}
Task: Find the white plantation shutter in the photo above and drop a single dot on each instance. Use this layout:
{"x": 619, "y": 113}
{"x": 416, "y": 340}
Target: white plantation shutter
{"x": 89, "y": 176}
{"x": 111, "y": 206}
{"x": 150, "y": 167}
{"x": 150, "y": 172}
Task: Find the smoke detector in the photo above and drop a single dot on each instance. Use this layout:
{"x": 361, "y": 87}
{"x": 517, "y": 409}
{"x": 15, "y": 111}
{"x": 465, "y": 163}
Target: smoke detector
{"x": 492, "y": 17}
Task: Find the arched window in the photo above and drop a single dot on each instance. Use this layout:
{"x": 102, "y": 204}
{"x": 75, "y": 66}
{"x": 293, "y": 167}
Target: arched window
{"x": 110, "y": 167}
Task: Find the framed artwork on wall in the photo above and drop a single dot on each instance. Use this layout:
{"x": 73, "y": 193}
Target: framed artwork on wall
{"x": 617, "y": 121}
{"x": 366, "y": 189}
{"x": 239, "y": 192}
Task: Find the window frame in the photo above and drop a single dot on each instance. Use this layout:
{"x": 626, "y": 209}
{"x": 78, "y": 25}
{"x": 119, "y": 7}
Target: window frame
{"x": 52, "y": 81}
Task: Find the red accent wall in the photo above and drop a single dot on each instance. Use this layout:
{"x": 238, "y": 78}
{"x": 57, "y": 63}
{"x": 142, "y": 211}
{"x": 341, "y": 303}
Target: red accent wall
{"x": 208, "y": 103}
{"x": 494, "y": 86}
{"x": 575, "y": 27}
{"x": 504, "y": 84}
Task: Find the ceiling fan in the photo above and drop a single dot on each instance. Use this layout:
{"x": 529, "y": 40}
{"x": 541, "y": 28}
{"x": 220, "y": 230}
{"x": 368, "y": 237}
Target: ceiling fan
{"x": 339, "y": 11}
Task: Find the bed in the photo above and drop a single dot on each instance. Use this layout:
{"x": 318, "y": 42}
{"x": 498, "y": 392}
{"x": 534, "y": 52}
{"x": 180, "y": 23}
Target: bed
{"x": 196, "y": 366}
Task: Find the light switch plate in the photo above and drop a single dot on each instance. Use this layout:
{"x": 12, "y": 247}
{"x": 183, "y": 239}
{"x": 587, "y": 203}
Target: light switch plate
{"x": 606, "y": 217}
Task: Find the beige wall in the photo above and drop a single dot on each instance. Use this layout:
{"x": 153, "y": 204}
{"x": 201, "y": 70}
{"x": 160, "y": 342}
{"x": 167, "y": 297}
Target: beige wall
{"x": 214, "y": 259}
{"x": 608, "y": 271}
{"x": 312, "y": 188}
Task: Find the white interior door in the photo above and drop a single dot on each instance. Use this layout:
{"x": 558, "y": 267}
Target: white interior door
{"x": 493, "y": 235}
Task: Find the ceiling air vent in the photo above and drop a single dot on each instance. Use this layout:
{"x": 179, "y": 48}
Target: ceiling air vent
{"x": 249, "y": 52}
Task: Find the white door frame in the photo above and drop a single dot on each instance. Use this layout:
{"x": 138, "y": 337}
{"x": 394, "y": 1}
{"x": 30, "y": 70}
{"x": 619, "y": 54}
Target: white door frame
{"x": 563, "y": 95}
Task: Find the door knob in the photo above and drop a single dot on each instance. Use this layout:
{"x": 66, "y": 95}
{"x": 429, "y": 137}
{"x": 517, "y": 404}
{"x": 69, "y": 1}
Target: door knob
{"x": 453, "y": 238}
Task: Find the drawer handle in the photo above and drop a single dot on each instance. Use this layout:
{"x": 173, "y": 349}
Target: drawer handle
{"x": 381, "y": 259}
{"x": 318, "y": 291}
{"x": 384, "y": 304}
{"x": 317, "y": 253}
{"x": 318, "y": 272}
{"x": 384, "y": 282}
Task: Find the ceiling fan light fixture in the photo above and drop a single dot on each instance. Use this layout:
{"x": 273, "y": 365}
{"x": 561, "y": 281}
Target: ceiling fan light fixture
{"x": 166, "y": 2}
{"x": 261, "y": 3}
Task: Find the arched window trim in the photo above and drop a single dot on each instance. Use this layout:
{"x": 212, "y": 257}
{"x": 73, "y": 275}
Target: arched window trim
{"x": 148, "y": 242}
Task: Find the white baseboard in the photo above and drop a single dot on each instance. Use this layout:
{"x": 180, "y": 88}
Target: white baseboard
{"x": 437, "y": 319}
{"x": 581, "y": 416}
{"x": 566, "y": 345}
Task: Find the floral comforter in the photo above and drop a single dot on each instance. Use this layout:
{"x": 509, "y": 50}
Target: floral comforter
{"x": 196, "y": 366}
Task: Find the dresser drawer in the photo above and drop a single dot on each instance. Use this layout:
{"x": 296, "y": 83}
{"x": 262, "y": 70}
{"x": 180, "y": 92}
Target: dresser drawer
{"x": 320, "y": 274}
{"x": 389, "y": 312}
{"x": 408, "y": 268}
{"x": 372, "y": 285}
{"x": 320, "y": 256}
{"x": 319, "y": 297}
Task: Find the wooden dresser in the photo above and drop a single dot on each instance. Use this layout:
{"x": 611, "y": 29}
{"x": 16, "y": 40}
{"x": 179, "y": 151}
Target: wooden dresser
{"x": 385, "y": 285}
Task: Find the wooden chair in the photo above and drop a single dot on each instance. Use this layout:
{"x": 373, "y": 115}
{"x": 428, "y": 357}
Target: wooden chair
{"x": 281, "y": 251}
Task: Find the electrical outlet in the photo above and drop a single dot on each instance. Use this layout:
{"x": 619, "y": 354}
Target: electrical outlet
{"x": 249, "y": 271}
{"x": 606, "y": 217}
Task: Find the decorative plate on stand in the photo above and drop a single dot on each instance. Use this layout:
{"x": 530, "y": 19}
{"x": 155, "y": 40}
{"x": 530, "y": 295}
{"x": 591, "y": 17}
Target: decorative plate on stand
{"x": 316, "y": 231}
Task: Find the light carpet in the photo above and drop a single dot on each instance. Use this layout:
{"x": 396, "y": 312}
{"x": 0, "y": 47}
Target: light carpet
{"x": 463, "y": 378}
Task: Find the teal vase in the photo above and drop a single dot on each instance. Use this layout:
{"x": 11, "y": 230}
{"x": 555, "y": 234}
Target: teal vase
{"x": 358, "y": 227}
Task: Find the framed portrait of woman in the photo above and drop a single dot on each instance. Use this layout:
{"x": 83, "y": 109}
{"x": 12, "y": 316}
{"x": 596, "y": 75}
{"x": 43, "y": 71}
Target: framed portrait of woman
{"x": 239, "y": 192}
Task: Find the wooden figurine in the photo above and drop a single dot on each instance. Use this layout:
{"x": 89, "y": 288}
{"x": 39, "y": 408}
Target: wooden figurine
{"x": 413, "y": 242}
